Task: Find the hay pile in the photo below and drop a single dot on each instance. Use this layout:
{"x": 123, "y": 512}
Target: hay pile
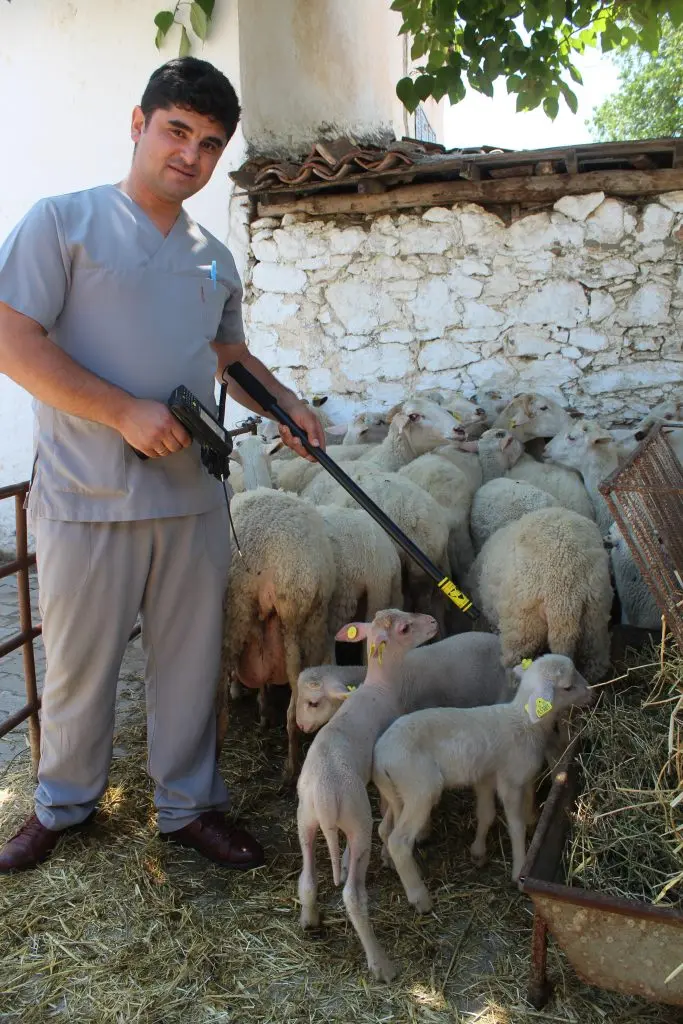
{"x": 627, "y": 834}
{"x": 119, "y": 928}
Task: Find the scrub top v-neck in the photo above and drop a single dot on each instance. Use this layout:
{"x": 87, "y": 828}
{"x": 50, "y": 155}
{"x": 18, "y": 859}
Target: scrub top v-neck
{"x": 140, "y": 310}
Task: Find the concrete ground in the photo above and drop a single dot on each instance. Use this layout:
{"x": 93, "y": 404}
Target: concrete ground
{"x": 12, "y": 687}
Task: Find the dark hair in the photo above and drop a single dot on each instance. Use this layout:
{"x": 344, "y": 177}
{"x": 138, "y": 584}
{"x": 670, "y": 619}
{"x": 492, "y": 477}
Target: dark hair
{"x": 195, "y": 85}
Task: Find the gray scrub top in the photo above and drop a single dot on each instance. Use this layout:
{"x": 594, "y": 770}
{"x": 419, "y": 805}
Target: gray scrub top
{"x": 138, "y": 309}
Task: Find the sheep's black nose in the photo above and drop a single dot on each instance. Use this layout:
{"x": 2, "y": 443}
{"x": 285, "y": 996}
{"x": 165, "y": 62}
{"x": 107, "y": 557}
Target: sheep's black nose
{"x": 639, "y": 435}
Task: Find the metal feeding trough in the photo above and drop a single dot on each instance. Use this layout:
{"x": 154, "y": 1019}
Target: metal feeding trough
{"x": 618, "y": 944}
{"x": 614, "y": 943}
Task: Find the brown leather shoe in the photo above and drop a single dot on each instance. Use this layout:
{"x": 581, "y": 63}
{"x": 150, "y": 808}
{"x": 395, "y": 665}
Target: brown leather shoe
{"x": 31, "y": 845}
{"x": 211, "y": 835}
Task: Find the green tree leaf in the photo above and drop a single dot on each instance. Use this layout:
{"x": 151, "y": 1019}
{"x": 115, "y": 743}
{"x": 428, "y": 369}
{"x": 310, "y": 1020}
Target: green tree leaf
{"x": 405, "y": 90}
{"x": 185, "y": 45}
{"x": 207, "y": 6}
{"x": 551, "y": 106}
{"x": 199, "y": 21}
{"x": 163, "y": 21}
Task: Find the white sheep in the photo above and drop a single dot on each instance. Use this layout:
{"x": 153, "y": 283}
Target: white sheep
{"x": 332, "y": 787}
{"x": 367, "y": 428}
{"x": 466, "y": 462}
{"x": 493, "y": 749}
{"x": 278, "y": 595}
{"x": 529, "y": 416}
{"x": 502, "y": 501}
{"x": 451, "y": 488}
{"x": 638, "y": 606}
{"x": 544, "y": 582}
{"x": 417, "y": 427}
{"x": 460, "y": 671}
{"x": 416, "y": 513}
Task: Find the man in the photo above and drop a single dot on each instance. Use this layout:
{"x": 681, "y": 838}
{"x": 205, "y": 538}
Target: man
{"x": 109, "y": 299}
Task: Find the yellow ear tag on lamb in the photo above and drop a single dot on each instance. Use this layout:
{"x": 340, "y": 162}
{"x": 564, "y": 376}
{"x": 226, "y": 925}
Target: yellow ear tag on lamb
{"x": 512, "y": 424}
{"x": 350, "y": 689}
{"x": 380, "y": 651}
{"x": 352, "y": 632}
{"x": 526, "y": 663}
{"x": 543, "y": 706}
{"x": 373, "y": 650}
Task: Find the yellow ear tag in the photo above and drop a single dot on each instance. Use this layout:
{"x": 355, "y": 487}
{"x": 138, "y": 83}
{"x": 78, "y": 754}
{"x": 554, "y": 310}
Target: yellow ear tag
{"x": 526, "y": 663}
{"x": 512, "y": 424}
{"x": 542, "y": 707}
{"x": 380, "y": 652}
{"x": 352, "y": 632}
{"x": 373, "y": 649}
{"x": 456, "y": 417}
{"x": 351, "y": 688}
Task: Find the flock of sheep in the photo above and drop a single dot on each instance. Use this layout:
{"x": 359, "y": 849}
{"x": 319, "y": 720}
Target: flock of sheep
{"x": 503, "y": 496}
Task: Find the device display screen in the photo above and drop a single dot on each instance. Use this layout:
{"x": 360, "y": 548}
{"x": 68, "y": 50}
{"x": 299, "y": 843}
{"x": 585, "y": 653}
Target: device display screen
{"x": 209, "y": 422}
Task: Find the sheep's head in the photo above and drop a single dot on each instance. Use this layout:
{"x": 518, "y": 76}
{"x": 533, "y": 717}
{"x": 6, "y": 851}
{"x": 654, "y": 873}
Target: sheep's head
{"x": 390, "y": 635}
{"x": 471, "y": 417}
{"x": 320, "y": 693}
{"x": 528, "y": 416}
{"x": 667, "y": 411}
{"x": 582, "y": 441}
{"x": 550, "y": 685}
{"x": 497, "y": 444}
{"x": 425, "y": 425}
{"x": 366, "y": 428}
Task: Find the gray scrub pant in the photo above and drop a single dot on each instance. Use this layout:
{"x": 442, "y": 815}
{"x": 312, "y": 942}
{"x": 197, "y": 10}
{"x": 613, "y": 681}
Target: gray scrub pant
{"x": 93, "y": 579}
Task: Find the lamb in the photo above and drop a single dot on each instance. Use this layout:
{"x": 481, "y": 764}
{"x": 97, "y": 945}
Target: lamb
{"x": 253, "y": 469}
{"x": 502, "y": 501}
{"x": 367, "y": 428}
{"x": 451, "y": 488}
{"x": 278, "y": 595}
{"x": 543, "y": 582}
{"x": 332, "y": 787}
{"x": 493, "y": 749}
{"x": 460, "y": 671}
{"x": 529, "y": 416}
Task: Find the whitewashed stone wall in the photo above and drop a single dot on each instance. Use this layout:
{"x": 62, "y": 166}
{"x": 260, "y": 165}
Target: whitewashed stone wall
{"x": 583, "y": 301}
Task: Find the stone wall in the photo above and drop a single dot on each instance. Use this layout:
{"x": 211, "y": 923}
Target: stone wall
{"x": 583, "y": 301}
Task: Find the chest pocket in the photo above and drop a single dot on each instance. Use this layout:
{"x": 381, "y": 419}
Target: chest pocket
{"x": 213, "y": 301}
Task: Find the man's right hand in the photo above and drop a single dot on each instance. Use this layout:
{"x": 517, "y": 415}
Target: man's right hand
{"x": 151, "y": 428}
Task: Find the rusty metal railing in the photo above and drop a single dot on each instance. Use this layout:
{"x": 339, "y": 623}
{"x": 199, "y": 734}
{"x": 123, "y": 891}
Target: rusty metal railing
{"x": 645, "y": 496}
{"x": 28, "y": 632}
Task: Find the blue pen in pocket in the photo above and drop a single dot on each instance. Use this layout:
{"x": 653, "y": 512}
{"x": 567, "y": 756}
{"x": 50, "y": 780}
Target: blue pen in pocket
{"x": 214, "y": 273}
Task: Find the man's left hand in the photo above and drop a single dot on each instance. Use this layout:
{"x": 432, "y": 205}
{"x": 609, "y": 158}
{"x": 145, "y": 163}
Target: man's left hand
{"x": 305, "y": 417}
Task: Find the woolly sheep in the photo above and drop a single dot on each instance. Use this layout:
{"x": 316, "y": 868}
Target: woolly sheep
{"x": 412, "y": 509}
{"x": 502, "y": 501}
{"x": 592, "y": 451}
{"x": 638, "y": 607}
{"x": 367, "y": 428}
{"x": 468, "y": 463}
{"x": 450, "y": 487}
{"x": 543, "y": 582}
{"x": 529, "y": 415}
{"x": 460, "y": 671}
{"x": 417, "y": 427}
{"x": 278, "y": 595}
{"x": 493, "y": 749}
{"x": 332, "y": 787}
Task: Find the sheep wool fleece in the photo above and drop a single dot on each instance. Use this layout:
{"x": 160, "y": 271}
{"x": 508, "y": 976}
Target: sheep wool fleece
{"x": 116, "y": 536}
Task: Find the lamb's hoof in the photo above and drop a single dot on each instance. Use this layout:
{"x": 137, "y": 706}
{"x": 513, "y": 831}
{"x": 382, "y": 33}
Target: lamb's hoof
{"x": 382, "y": 969}
{"x": 478, "y": 857}
{"x": 310, "y": 920}
{"x": 385, "y": 857}
{"x": 423, "y": 903}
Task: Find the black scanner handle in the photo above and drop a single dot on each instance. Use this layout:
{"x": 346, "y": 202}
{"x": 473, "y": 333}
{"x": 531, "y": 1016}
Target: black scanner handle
{"x": 256, "y": 390}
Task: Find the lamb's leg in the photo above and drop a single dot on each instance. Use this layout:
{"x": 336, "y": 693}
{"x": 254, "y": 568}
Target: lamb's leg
{"x": 593, "y": 650}
{"x": 356, "y": 902}
{"x": 292, "y": 739}
{"x": 530, "y": 812}
{"x": 512, "y": 798}
{"x": 384, "y": 831}
{"x": 486, "y": 814}
{"x": 308, "y": 879}
{"x": 412, "y": 819}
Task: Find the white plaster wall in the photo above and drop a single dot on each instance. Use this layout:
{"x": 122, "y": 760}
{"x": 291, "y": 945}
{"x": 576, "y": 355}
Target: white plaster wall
{"x": 321, "y": 68}
{"x": 583, "y": 301}
{"x": 71, "y": 72}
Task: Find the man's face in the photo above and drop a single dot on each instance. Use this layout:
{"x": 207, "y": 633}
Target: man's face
{"x": 176, "y": 151}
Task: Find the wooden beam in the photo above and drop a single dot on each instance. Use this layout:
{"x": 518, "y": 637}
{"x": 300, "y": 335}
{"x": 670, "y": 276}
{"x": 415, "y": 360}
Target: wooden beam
{"x": 546, "y": 188}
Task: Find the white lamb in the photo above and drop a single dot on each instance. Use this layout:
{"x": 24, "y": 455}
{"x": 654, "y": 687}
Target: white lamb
{"x": 544, "y": 582}
{"x": 451, "y": 488}
{"x": 529, "y": 416}
{"x": 460, "y": 671}
{"x": 638, "y": 606}
{"x": 332, "y": 787}
{"x": 493, "y": 749}
{"x": 417, "y": 427}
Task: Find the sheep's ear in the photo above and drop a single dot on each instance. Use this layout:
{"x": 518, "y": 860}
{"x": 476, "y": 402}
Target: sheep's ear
{"x": 336, "y": 690}
{"x": 467, "y": 446}
{"x": 319, "y": 400}
{"x": 519, "y": 670}
{"x": 540, "y": 700}
{"x": 400, "y": 421}
{"x": 507, "y": 441}
{"x": 602, "y": 440}
{"x": 353, "y": 632}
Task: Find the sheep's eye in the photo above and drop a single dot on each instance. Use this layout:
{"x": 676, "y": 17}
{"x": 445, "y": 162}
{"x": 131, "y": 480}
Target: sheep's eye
{"x": 414, "y": 417}
{"x": 500, "y": 433}
{"x": 543, "y": 408}
{"x": 313, "y": 703}
{"x": 668, "y": 416}
{"x": 571, "y": 437}
{"x": 404, "y": 628}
